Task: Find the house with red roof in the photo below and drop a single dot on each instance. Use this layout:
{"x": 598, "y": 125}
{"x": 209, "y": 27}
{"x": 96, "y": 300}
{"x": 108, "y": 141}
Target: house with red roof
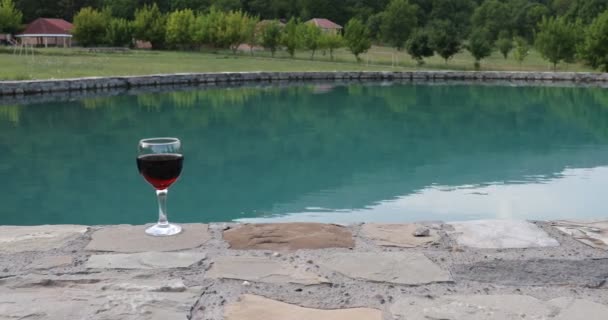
{"x": 47, "y": 32}
{"x": 326, "y": 25}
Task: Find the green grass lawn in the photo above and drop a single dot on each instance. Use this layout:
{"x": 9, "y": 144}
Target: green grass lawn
{"x": 68, "y": 63}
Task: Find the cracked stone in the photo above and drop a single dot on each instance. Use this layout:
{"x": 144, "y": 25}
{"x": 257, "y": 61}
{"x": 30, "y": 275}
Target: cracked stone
{"x": 398, "y": 235}
{"x": 37, "y": 238}
{"x": 128, "y": 239}
{"x": 261, "y": 270}
{"x": 496, "y": 307}
{"x": 410, "y": 268}
{"x": 288, "y": 236}
{"x": 144, "y": 260}
{"x": 252, "y": 307}
{"x": 500, "y": 234}
{"x": 591, "y": 233}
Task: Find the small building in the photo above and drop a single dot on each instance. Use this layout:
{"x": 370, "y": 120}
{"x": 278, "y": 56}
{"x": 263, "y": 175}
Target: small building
{"x": 326, "y": 25}
{"x": 47, "y": 32}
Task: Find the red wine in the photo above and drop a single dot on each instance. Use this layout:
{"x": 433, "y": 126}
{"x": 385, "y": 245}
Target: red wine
{"x": 160, "y": 170}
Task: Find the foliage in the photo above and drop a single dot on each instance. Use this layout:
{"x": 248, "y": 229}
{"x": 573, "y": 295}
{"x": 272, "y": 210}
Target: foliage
{"x": 357, "y": 37}
{"x": 457, "y": 12}
{"x": 150, "y": 25}
{"x": 594, "y": 49}
{"x": 180, "y": 28}
{"x": 208, "y": 27}
{"x": 479, "y": 45}
{"x": 290, "y": 38}
{"x": 10, "y": 17}
{"x": 331, "y": 42}
{"x": 119, "y": 32}
{"x": 90, "y": 27}
{"x": 419, "y": 46}
{"x": 311, "y": 36}
{"x": 557, "y": 40}
{"x": 238, "y": 27}
{"x": 444, "y": 39}
{"x": 271, "y": 36}
{"x": 398, "y": 22}
{"x": 521, "y": 50}
{"x": 504, "y": 43}
{"x": 493, "y": 16}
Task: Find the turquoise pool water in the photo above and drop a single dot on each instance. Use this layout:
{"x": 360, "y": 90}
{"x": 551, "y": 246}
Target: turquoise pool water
{"x": 331, "y": 153}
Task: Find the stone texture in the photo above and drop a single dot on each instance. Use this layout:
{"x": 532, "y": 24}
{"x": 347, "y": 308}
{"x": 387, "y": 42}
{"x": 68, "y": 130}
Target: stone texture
{"x": 144, "y": 260}
{"x": 410, "y": 268}
{"x": 261, "y": 270}
{"x": 51, "y": 262}
{"x": 496, "y": 307}
{"x": 37, "y": 238}
{"x": 288, "y": 236}
{"x": 251, "y": 307}
{"x": 591, "y": 233}
{"x": 500, "y": 234}
{"x": 397, "y": 235}
{"x": 134, "y": 299}
{"x": 127, "y": 238}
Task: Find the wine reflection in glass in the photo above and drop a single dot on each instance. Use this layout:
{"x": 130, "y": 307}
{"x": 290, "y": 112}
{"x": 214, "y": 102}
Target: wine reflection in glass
{"x": 160, "y": 161}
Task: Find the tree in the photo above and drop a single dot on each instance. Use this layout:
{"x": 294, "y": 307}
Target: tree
{"x": 419, "y": 46}
{"x": 504, "y": 43}
{"x": 236, "y": 29}
{"x": 291, "y": 38}
{"x": 180, "y": 28}
{"x": 310, "y": 35}
{"x": 10, "y": 17}
{"x": 444, "y": 39}
{"x": 150, "y": 25}
{"x": 209, "y": 27}
{"x": 271, "y": 36}
{"x": 331, "y": 42}
{"x": 119, "y": 32}
{"x": 493, "y": 16}
{"x": 357, "y": 38}
{"x": 557, "y": 40}
{"x": 594, "y": 49}
{"x": 90, "y": 27}
{"x": 457, "y": 12}
{"x": 479, "y": 45}
{"x": 399, "y": 20}
{"x": 521, "y": 49}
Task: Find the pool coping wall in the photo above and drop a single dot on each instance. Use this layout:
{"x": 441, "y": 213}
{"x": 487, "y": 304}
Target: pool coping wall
{"x": 29, "y": 87}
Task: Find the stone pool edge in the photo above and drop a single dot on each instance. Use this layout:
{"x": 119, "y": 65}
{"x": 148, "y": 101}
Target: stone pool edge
{"x": 27, "y": 87}
{"x": 227, "y": 270}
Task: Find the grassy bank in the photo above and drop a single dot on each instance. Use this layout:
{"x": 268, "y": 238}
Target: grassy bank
{"x": 68, "y": 63}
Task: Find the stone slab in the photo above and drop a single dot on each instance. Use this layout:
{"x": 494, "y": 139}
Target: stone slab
{"x": 51, "y": 262}
{"x": 411, "y": 268}
{"x": 144, "y": 260}
{"x": 591, "y": 233}
{"x": 500, "y": 234}
{"x": 37, "y": 238}
{"x": 261, "y": 270}
{"x": 133, "y": 299}
{"x": 495, "y": 307}
{"x": 397, "y": 235}
{"x": 251, "y": 307}
{"x": 288, "y": 236}
{"x": 129, "y": 239}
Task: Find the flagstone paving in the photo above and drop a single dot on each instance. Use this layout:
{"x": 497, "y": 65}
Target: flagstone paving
{"x": 289, "y": 236}
{"x": 500, "y": 234}
{"x": 261, "y": 269}
{"x": 474, "y": 270}
{"x": 398, "y": 235}
{"x": 591, "y": 233}
{"x": 127, "y": 238}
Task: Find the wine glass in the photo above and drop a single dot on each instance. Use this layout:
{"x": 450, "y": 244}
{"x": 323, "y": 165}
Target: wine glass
{"x": 160, "y": 161}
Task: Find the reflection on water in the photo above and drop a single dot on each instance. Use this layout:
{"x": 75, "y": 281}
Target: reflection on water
{"x": 315, "y": 153}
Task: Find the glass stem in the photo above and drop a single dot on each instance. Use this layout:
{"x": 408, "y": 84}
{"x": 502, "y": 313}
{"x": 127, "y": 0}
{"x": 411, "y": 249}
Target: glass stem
{"x": 162, "y": 207}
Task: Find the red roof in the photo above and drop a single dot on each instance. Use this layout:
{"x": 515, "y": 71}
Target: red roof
{"x": 48, "y": 26}
{"x": 324, "y": 23}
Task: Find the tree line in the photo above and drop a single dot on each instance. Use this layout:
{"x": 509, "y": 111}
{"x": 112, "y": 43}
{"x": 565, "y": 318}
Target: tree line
{"x": 561, "y": 30}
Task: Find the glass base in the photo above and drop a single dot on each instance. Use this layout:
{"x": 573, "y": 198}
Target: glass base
{"x": 163, "y": 230}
